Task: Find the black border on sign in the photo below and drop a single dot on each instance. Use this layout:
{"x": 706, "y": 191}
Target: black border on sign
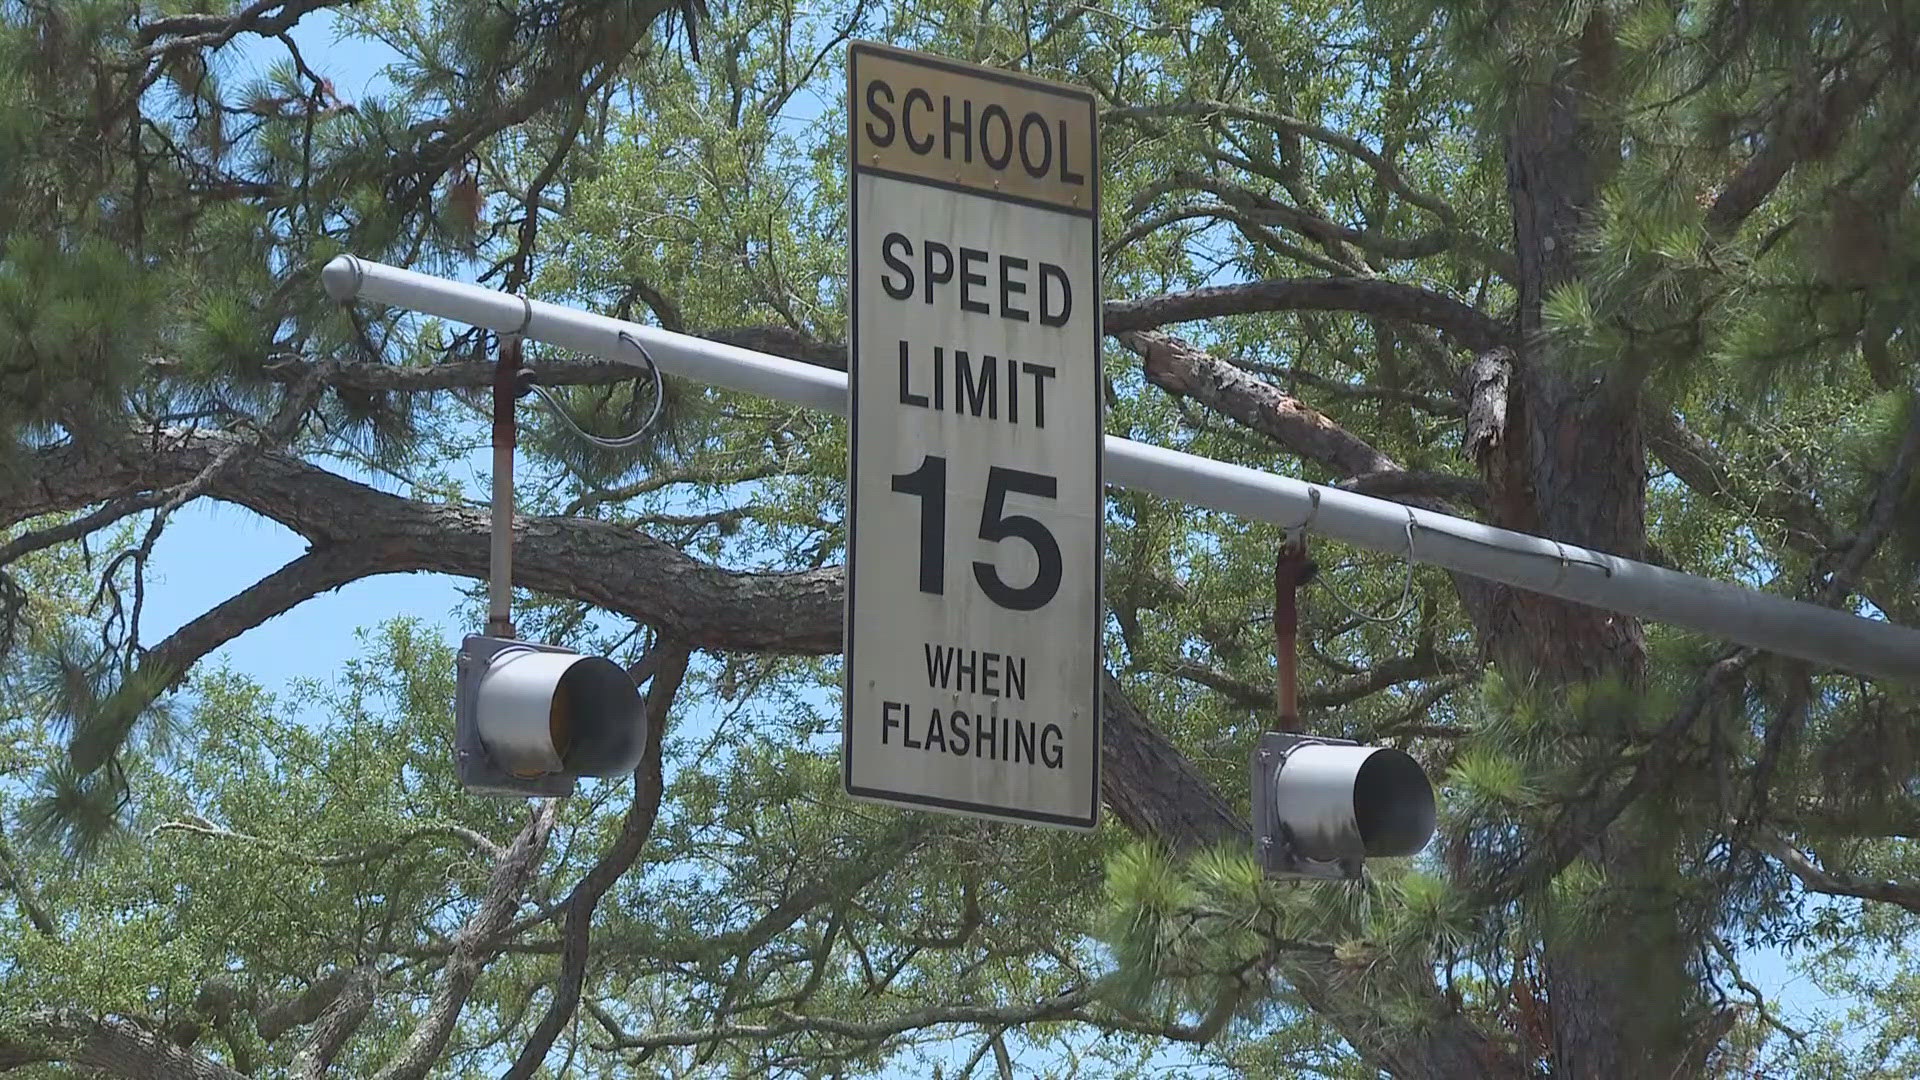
{"x": 854, "y": 49}
{"x": 963, "y": 189}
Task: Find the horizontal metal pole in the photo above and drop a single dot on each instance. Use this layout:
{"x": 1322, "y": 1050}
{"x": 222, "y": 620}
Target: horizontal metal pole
{"x": 1790, "y": 627}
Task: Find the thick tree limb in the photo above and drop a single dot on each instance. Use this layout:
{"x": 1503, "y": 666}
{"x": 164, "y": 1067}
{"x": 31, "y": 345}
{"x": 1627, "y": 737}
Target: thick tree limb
{"x": 1151, "y": 787}
{"x": 1179, "y": 368}
{"x": 1466, "y": 325}
{"x": 361, "y": 531}
{"x": 337, "y": 1024}
{"x": 303, "y": 1008}
{"x": 615, "y": 861}
{"x": 263, "y": 17}
{"x": 305, "y": 577}
{"x": 111, "y": 1045}
{"x": 614, "y": 568}
{"x": 1183, "y": 370}
{"x": 1819, "y": 880}
{"x": 1812, "y": 120}
{"x": 1701, "y": 466}
{"x": 474, "y": 946}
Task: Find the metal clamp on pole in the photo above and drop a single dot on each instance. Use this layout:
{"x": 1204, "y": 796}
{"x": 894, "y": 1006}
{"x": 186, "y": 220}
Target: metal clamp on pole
{"x": 506, "y": 374}
{"x": 1292, "y": 570}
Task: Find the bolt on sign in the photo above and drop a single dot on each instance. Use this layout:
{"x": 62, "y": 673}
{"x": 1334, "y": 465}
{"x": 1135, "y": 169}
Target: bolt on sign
{"x": 973, "y": 595}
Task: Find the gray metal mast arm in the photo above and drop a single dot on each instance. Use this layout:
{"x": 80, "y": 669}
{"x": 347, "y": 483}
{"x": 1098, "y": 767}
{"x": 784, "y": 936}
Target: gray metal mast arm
{"x": 1735, "y": 613}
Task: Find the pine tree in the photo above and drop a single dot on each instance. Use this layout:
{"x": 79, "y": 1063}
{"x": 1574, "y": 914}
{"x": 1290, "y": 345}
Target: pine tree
{"x": 1631, "y": 274}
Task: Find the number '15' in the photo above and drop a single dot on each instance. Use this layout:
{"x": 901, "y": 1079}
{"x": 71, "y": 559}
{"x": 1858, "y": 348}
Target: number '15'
{"x": 929, "y": 482}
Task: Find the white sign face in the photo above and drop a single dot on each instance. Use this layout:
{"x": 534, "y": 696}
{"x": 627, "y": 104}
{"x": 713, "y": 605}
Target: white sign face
{"x": 973, "y": 592}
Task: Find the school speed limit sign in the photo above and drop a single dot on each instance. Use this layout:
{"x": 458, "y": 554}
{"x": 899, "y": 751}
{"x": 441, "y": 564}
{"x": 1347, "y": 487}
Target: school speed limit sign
{"x": 973, "y": 594}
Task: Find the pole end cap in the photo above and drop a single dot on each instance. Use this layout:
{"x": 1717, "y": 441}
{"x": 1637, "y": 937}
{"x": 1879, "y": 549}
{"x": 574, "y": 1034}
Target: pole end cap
{"x": 341, "y": 277}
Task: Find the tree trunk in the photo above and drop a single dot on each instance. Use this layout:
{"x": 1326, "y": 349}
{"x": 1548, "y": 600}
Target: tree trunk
{"x": 1571, "y": 465}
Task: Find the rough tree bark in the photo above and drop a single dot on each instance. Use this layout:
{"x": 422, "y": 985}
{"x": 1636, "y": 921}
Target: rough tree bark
{"x": 473, "y": 946}
{"x": 106, "y": 1045}
{"x": 1571, "y": 465}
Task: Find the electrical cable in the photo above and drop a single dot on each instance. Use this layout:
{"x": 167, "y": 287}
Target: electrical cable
{"x": 1405, "y": 604}
{"x": 624, "y": 441}
{"x": 1296, "y": 535}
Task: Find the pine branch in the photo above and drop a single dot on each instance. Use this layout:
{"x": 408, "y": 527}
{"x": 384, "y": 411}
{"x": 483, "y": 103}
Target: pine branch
{"x": 1383, "y": 675}
{"x": 1402, "y": 485}
{"x": 200, "y": 30}
{"x": 1433, "y": 404}
{"x": 98, "y": 738}
{"x": 1589, "y": 814}
{"x": 1218, "y": 212}
{"x": 1347, "y": 144}
{"x": 1181, "y": 369}
{"x": 1822, "y": 817}
{"x": 85, "y": 525}
{"x": 474, "y": 840}
{"x": 760, "y": 470}
{"x": 1701, "y": 466}
{"x": 438, "y": 146}
{"x": 789, "y": 1023}
{"x": 1313, "y": 226}
{"x": 274, "y": 433}
{"x": 521, "y": 269}
{"x": 1888, "y": 497}
{"x": 15, "y": 878}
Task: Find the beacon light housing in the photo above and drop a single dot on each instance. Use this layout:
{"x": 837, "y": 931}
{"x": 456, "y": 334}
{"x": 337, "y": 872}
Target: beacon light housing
{"x": 529, "y": 719}
{"x": 1322, "y": 807}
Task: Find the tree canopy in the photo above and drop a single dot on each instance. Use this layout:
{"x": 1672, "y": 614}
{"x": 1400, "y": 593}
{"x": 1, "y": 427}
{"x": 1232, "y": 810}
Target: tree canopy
{"x": 1632, "y": 274}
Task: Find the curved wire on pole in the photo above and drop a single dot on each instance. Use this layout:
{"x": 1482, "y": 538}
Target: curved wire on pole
{"x": 624, "y": 441}
{"x": 1295, "y": 534}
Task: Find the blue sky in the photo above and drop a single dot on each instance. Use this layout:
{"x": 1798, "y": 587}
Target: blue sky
{"x": 212, "y": 550}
